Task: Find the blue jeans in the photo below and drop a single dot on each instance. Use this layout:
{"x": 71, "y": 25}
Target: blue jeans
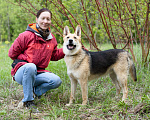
{"x": 27, "y": 76}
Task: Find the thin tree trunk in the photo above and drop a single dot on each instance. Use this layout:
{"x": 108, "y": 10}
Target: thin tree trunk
{"x": 8, "y": 24}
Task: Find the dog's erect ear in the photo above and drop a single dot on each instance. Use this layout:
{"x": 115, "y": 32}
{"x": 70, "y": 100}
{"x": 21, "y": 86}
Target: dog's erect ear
{"x": 66, "y": 30}
{"x": 78, "y": 30}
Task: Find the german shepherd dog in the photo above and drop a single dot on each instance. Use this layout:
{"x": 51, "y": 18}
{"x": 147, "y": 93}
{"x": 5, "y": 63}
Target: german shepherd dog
{"x": 83, "y": 65}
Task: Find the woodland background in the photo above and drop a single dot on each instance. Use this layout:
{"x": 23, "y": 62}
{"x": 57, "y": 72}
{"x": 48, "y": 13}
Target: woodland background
{"x": 106, "y": 24}
{"x": 119, "y": 22}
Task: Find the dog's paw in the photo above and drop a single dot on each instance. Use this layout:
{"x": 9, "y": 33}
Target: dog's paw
{"x": 83, "y": 104}
{"x": 125, "y": 101}
{"x": 68, "y": 104}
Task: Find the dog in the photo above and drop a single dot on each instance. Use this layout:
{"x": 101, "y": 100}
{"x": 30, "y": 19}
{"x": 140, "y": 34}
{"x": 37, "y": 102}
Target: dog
{"x": 83, "y": 65}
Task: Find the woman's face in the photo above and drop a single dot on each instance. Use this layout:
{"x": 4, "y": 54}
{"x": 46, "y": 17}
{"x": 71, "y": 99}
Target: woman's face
{"x": 44, "y": 20}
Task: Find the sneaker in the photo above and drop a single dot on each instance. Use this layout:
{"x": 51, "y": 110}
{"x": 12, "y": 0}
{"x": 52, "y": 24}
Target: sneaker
{"x": 35, "y": 96}
{"x": 31, "y": 106}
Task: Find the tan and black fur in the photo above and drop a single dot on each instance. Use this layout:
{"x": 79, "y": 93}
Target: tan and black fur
{"x": 83, "y": 65}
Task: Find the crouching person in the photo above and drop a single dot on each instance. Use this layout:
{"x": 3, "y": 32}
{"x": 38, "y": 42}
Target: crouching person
{"x": 32, "y": 51}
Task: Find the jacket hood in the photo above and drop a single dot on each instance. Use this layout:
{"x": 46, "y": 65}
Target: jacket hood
{"x": 32, "y": 27}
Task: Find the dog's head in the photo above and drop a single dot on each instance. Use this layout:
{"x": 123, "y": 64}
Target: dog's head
{"x": 72, "y": 42}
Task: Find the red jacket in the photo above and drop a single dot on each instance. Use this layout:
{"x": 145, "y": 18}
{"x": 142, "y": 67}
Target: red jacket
{"x": 31, "y": 47}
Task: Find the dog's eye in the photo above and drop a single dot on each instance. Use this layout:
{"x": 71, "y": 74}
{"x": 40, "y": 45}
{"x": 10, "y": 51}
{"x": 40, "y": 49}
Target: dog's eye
{"x": 68, "y": 37}
{"x": 75, "y": 37}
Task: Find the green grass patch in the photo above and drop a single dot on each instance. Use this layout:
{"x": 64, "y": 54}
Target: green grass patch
{"x": 101, "y": 92}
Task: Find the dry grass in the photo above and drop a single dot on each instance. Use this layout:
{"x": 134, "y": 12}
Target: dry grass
{"x": 102, "y": 101}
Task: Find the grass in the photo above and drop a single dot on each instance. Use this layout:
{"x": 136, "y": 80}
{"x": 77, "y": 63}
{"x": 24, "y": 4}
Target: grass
{"x": 102, "y": 101}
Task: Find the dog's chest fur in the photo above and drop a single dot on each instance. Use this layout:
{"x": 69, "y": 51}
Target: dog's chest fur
{"x": 77, "y": 64}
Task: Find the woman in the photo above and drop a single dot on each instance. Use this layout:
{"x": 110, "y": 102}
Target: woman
{"x": 32, "y": 51}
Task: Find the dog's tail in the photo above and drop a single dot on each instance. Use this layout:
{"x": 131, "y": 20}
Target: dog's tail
{"x": 132, "y": 69}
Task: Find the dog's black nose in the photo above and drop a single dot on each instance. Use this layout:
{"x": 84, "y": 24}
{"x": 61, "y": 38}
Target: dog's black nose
{"x": 70, "y": 41}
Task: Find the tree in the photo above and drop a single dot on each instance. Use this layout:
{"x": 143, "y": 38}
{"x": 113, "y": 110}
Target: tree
{"x": 12, "y": 21}
{"x": 122, "y": 22}
{"x": 133, "y": 21}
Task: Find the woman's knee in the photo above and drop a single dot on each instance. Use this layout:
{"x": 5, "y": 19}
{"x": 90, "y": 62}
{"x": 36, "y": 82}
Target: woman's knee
{"x": 57, "y": 82}
{"x": 48, "y": 80}
{"x": 28, "y": 69}
{"x": 31, "y": 67}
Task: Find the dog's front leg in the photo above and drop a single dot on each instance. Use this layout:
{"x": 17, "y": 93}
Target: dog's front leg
{"x": 73, "y": 90}
{"x": 84, "y": 89}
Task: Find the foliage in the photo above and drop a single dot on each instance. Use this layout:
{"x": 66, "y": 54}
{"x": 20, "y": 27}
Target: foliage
{"x": 123, "y": 23}
{"x": 104, "y": 21}
{"x": 102, "y": 101}
{"x": 11, "y": 21}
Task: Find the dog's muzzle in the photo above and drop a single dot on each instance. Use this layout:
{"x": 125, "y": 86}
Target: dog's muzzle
{"x": 71, "y": 45}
